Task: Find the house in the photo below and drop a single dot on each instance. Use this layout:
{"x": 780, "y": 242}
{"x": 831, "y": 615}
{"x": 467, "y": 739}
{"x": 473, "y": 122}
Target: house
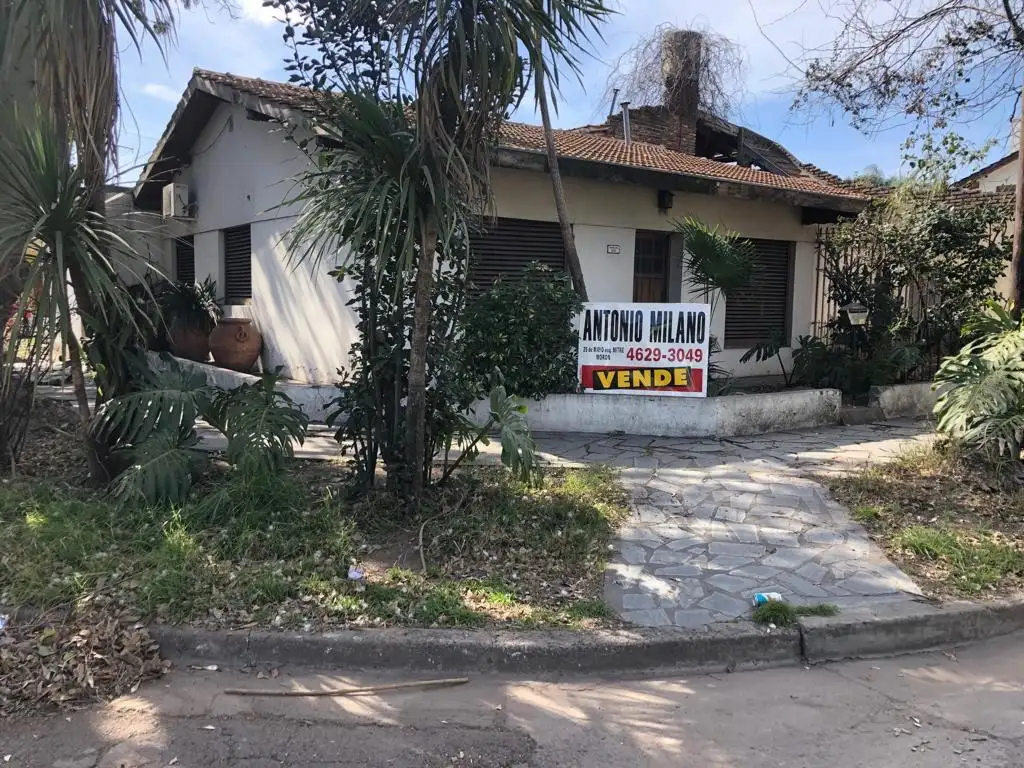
{"x": 626, "y": 182}
{"x": 994, "y": 177}
{"x": 995, "y": 183}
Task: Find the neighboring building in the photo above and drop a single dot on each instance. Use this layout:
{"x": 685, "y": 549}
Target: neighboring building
{"x": 994, "y": 177}
{"x": 225, "y": 146}
{"x": 995, "y": 183}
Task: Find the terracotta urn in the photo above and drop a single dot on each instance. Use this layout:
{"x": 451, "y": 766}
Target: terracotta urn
{"x": 190, "y": 343}
{"x": 235, "y": 343}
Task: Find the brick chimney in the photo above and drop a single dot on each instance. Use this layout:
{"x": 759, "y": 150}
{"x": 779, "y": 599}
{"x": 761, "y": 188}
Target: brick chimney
{"x": 674, "y": 124}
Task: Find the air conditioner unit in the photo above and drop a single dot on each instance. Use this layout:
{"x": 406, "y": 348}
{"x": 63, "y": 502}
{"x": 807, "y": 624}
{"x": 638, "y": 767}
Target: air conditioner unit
{"x": 175, "y": 203}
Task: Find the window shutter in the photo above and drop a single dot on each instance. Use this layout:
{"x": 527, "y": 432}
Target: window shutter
{"x": 756, "y": 313}
{"x": 508, "y": 245}
{"x": 237, "y": 264}
{"x": 185, "y": 259}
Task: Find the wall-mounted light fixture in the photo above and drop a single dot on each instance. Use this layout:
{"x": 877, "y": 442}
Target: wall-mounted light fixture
{"x": 856, "y": 312}
{"x": 665, "y": 200}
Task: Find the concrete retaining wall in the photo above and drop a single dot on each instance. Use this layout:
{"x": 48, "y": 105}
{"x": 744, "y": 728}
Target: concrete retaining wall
{"x": 681, "y": 416}
{"x": 904, "y": 400}
{"x": 312, "y": 398}
{"x": 599, "y": 414}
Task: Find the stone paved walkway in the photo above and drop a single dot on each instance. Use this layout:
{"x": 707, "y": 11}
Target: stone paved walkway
{"x": 715, "y": 521}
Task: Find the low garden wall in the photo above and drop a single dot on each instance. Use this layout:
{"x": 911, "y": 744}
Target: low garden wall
{"x": 904, "y": 400}
{"x": 731, "y": 415}
{"x": 312, "y": 398}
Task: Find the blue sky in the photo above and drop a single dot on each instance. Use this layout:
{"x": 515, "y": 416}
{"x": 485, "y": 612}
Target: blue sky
{"x": 250, "y": 44}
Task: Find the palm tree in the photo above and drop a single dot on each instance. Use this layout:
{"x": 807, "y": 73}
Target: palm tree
{"x": 413, "y": 157}
{"x": 572, "y": 256}
{"x": 58, "y": 68}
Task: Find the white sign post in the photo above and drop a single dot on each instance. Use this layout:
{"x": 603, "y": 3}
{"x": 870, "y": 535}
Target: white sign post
{"x": 645, "y": 349}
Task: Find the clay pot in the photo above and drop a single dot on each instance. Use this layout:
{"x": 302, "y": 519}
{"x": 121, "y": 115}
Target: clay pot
{"x": 190, "y": 343}
{"x": 235, "y": 343}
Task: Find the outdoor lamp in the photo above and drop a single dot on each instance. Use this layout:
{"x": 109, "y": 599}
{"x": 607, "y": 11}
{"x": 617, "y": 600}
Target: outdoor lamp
{"x": 857, "y": 313}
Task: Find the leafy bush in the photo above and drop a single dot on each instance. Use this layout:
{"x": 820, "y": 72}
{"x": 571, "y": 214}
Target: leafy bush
{"x": 981, "y": 400}
{"x": 821, "y": 363}
{"x": 153, "y": 431}
{"x": 524, "y": 326}
{"x": 260, "y": 423}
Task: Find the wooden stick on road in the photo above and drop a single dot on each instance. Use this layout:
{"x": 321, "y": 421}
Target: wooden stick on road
{"x": 353, "y": 691}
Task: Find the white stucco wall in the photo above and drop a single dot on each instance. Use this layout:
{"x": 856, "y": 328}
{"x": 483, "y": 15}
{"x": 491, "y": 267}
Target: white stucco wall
{"x": 1000, "y": 177}
{"x": 604, "y": 213}
{"x": 144, "y": 232}
{"x": 240, "y": 175}
{"x": 608, "y": 276}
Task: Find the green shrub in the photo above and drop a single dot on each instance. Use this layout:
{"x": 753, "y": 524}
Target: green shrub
{"x": 981, "y": 401}
{"x": 526, "y": 327}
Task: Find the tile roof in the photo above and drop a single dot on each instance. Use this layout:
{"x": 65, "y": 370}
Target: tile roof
{"x": 583, "y": 145}
{"x": 286, "y": 95}
{"x": 588, "y": 143}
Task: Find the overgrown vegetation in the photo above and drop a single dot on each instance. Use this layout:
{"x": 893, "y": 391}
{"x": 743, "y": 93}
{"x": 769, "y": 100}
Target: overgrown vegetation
{"x": 981, "y": 400}
{"x": 153, "y": 432}
{"x": 274, "y": 549}
{"x": 917, "y": 269}
{"x": 405, "y": 173}
{"x": 954, "y": 523}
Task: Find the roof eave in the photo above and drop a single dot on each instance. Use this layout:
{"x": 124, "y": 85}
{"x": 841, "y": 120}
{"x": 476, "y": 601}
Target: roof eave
{"x": 535, "y": 160}
{"x": 202, "y": 85}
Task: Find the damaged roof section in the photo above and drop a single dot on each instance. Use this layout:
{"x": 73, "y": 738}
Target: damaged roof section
{"x": 665, "y": 151}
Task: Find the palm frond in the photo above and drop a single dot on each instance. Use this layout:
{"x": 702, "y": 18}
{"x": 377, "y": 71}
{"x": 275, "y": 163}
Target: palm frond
{"x": 48, "y": 231}
{"x": 160, "y": 472}
{"x": 716, "y": 261}
{"x": 171, "y": 405}
{"x": 518, "y": 450}
{"x": 261, "y": 424}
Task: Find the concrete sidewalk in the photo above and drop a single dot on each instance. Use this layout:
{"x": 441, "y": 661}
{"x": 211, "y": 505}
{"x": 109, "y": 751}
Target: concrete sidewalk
{"x": 937, "y": 710}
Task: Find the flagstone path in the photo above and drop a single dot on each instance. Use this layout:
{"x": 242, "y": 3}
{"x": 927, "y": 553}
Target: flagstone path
{"x": 715, "y": 521}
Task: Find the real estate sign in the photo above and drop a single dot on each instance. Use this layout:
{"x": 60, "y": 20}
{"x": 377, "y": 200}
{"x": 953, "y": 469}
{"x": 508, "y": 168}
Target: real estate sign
{"x": 645, "y": 349}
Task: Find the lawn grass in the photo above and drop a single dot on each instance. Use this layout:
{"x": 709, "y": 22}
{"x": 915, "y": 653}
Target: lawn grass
{"x": 956, "y": 526}
{"x": 276, "y": 551}
{"x": 783, "y": 614}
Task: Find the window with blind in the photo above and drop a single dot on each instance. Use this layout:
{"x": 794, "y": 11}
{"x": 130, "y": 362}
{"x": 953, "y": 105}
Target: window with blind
{"x": 185, "y": 259}
{"x": 237, "y": 264}
{"x": 757, "y": 313}
{"x": 505, "y": 246}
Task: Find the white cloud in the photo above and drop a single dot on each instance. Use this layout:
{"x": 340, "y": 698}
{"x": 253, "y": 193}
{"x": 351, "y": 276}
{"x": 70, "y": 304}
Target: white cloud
{"x": 162, "y": 92}
{"x": 255, "y": 11}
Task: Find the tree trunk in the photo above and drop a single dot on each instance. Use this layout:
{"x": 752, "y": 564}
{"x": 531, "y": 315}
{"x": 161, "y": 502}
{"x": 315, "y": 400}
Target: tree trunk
{"x": 416, "y": 406}
{"x": 572, "y": 257}
{"x": 1016, "y": 273}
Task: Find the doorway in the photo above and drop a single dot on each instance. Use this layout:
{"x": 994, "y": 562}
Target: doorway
{"x": 650, "y": 267}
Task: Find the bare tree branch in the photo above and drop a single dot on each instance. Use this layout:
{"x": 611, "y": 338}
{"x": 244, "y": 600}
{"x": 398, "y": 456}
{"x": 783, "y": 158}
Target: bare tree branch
{"x": 639, "y": 77}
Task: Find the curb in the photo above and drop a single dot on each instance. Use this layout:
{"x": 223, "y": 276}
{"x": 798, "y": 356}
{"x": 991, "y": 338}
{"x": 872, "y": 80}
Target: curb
{"x": 884, "y": 630}
{"x": 726, "y": 647}
{"x": 888, "y": 630}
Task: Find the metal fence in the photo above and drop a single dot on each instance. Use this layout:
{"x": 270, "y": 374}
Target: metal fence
{"x": 915, "y": 301}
